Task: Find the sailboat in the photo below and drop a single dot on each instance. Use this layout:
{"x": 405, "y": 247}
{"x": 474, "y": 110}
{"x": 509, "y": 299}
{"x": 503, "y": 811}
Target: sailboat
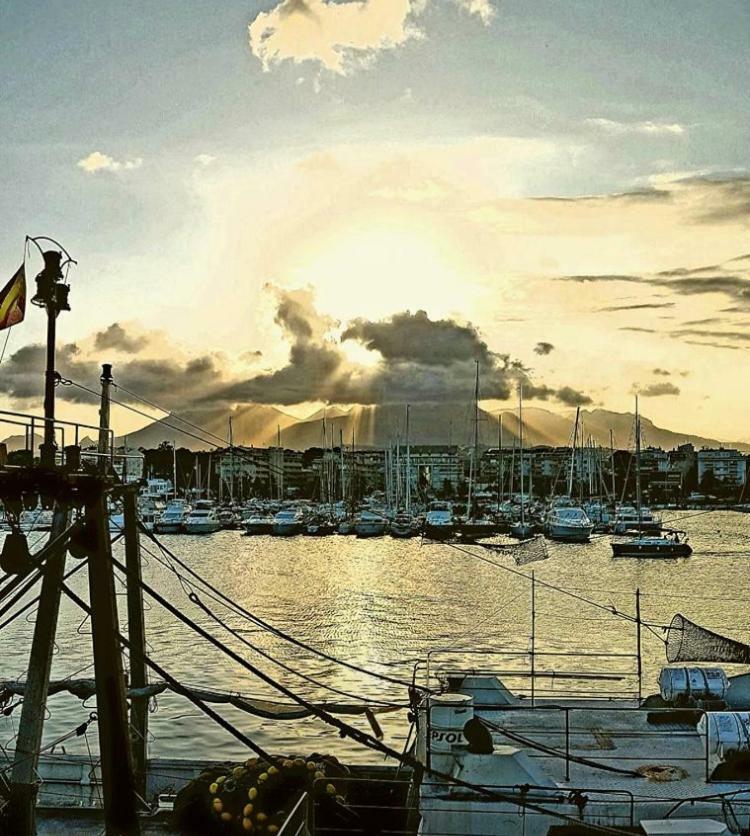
{"x": 641, "y": 546}
{"x": 403, "y": 524}
{"x": 522, "y": 528}
{"x": 474, "y": 525}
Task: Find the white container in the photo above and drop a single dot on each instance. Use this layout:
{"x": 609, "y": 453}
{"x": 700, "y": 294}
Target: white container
{"x": 449, "y": 713}
{"x": 728, "y": 733}
{"x": 699, "y": 683}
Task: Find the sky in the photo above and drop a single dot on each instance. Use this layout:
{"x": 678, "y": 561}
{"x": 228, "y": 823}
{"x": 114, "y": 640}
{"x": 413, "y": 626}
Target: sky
{"x": 312, "y": 202}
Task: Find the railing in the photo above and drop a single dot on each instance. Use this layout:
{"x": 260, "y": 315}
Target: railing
{"x": 35, "y": 424}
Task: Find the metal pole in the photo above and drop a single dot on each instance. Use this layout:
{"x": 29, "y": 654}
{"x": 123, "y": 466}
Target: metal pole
{"x": 638, "y": 642}
{"x": 118, "y": 784}
{"x": 533, "y": 633}
{"x": 24, "y": 779}
{"x": 106, "y": 381}
{"x": 137, "y": 640}
{"x": 49, "y": 446}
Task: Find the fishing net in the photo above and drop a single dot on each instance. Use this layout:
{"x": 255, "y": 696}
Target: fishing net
{"x": 529, "y": 551}
{"x": 689, "y": 642}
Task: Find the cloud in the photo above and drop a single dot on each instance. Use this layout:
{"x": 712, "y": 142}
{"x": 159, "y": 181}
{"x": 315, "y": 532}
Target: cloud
{"x": 342, "y": 35}
{"x": 116, "y": 338}
{"x": 647, "y": 128}
{"x": 97, "y": 161}
{"x": 662, "y": 372}
{"x": 338, "y": 35}
{"x": 642, "y": 306}
{"x": 417, "y": 338}
{"x": 204, "y": 160}
{"x": 543, "y": 348}
{"x": 170, "y": 381}
{"x": 414, "y": 359}
{"x": 482, "y": 9}
{"x": 656, "y": 390}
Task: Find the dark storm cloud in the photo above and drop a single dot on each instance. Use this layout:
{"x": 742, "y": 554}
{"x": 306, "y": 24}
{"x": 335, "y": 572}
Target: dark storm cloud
{"x": 543, "y": 348}
{"x": 416, "y": 338}
{"x": 169, "y": 383}
{"x": 115, "y": 337}
{"x": 572, "y": 397}
{"x": 420, "y": 360}
{"x": 655, "y": 390}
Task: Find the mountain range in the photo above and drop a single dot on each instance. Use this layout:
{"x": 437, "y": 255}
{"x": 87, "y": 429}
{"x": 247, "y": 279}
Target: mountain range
{"x": 379, "y": 426}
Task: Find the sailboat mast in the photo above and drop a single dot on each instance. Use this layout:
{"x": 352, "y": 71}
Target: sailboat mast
{"x": 231, "y": 462}
{"x": 573, "y": 453}
{"x": 474, "y": 470}
{"x": 520, "y": 442}
{"x": 174, "y": 467}
{"x": 638, "y": 464}
{"x": 499, "y": 459}
{"x": 612, "y": 463}
{"x": 408, "y": 465}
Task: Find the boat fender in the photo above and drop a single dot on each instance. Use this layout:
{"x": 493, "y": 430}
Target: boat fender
{"x": 479, "y": 737}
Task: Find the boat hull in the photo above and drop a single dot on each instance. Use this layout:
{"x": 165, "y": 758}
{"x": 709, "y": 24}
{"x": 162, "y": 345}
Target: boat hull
{"x": 202, "y": 527}
{"x": 258, "y": 528}
{"x": 168, "y": 527}
{"x": 569, "y": 534}
{"x": 369, "y": 529}
{"x": 651, "y": 550}
{"x": 286, "y": 529}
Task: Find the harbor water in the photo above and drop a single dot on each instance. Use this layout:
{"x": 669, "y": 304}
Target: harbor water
{"x": 384, "y": 604}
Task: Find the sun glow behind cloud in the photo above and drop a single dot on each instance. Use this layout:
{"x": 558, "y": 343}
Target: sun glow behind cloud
{"x": 380, "y": 268}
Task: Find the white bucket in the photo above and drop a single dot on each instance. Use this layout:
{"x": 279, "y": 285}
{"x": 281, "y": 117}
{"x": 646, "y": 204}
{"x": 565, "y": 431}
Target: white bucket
{"x": 728, "y": 732}
{"x": 700, "y": 683}
{"x": 448, "y": 714}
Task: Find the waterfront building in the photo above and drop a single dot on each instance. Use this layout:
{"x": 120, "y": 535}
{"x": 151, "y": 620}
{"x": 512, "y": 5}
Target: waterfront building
{"x": 726, "y": 465}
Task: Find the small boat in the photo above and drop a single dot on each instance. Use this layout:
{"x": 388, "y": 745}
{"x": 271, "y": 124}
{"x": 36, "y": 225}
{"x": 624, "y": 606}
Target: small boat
{"x": 202, "y": 519}
{"x": 474, "y": 529}
{"x": 438, "y": 522}
{"x": 287, "y": 523}
{"x": 172, "y": 518}
{"x": 568, "y": 524}
{"x": 628, "y": 521}
{"x": 346, "y": 526}
{"x": 403, "y": 526}
{"x": 522, "y": 530}
{"x": 258, "y": 524}
{"x": 319, "y": 527}
{"x": 650, "y": 547}
{"x": 228, "y": 518}
{"x": 370, "y": 524}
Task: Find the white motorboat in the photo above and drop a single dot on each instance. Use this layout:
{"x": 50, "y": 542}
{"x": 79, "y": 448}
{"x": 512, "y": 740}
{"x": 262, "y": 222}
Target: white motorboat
{"x": 370, "y": 524}
{"x": 258, "y": 524}
{"x": 288, "y": 522}
{"x": 203, "y": 518}
{"x": 628, "y": 520}
{"x": 569, "y": 524}
{"x": 651, "y": 547}
{"x": 438, "y": 523}
{"x": 172, "y": 518}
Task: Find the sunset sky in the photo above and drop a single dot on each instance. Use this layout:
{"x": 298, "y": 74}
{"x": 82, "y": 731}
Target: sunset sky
{"x": 351, "y": 202}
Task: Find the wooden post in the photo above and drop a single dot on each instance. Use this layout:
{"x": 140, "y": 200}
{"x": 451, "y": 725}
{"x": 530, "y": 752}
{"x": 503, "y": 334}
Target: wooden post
{"x": 103, "y": 446}
{"x": 533, "y": 636}
{"x": 114, "y": 740}
{"x": 24, "y": 778}
{"x": 137, "y": 640}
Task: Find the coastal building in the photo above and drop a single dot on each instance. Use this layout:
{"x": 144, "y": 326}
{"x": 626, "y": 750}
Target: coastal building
{"x": 725, "y": 465}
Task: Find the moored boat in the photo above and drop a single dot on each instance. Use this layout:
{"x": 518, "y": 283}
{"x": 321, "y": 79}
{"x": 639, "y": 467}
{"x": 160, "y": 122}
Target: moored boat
{"x": 287, "y": 522}
{"x": 404, "y": 526}
{"x": 370, "y": 524}
{"x": 202, "y": 519}
{"x": 568, "y": 524}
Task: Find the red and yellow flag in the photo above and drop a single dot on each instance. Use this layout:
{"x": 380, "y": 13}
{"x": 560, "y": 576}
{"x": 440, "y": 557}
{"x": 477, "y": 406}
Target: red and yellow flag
{"x": 13, "y": 300}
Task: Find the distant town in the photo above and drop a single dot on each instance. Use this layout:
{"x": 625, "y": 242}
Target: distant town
{"x": 440, "y": 471}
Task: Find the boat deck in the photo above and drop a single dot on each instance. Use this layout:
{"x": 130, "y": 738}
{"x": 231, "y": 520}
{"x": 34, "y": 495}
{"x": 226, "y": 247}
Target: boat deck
{"x": 616, "y": 739}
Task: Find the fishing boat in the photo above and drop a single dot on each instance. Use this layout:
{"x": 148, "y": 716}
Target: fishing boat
{"x": 370, "y": 524}
{"x": 172, "y": 519}
{"x": 203, "y": 518}
{"x": 288, "y": 522}
{"x": 669, "y": 544}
